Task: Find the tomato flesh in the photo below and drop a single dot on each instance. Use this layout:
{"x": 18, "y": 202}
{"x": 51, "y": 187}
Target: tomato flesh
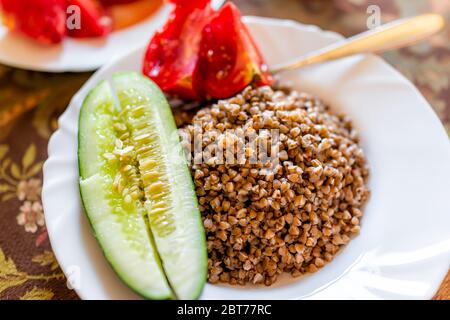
{"x": 94, "y": 20}
{"x": 230, "y": 59}
{"x": 201, "y": 53}
{"x": 172, "y": 57}
{"x": 42, "y": 20}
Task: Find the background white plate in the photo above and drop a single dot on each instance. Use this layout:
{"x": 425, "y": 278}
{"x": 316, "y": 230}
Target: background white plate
{"x": 79, "y": 54}
{"x": 403, "y": 250}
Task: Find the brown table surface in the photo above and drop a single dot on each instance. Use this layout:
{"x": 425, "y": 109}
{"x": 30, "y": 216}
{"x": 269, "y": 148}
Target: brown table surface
{"x": 30, "y": 103}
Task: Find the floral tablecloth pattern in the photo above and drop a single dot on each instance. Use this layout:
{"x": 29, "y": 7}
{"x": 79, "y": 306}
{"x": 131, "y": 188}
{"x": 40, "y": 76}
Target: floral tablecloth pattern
{"x": 30, "y": 103}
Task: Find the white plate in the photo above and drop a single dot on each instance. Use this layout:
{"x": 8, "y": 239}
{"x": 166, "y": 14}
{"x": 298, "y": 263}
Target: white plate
{"x": 78, "y": 55}
{"x": 403, "y": 250}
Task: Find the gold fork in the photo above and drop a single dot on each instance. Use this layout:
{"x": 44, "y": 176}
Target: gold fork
{"x": 393, "y": 35}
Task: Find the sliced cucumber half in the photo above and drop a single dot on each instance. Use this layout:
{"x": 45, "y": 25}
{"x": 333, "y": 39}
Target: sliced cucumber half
{"x": 170, "y": 199}
{"x": 137, "y": 190}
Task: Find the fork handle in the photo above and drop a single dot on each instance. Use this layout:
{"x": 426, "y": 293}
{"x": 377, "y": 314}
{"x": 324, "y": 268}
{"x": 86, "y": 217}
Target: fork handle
{"x": 394, "y": 35}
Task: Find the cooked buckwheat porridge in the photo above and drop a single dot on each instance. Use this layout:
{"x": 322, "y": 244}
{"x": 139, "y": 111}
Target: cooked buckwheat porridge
{"x": 291, "y": 213}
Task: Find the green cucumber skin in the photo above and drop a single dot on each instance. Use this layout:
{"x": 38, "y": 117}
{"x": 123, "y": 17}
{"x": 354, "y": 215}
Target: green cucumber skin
{"x": 122, "y": 276}
{"x": 87, "y": 105}
{"x": 125, "y": 80}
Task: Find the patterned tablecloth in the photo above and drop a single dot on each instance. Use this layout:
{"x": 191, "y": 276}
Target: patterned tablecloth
{"x": 30, "y": 103}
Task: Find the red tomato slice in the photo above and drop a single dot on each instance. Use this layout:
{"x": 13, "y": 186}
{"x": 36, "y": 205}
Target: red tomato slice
{"x": 230, "y": 60}
{"x": 172, "y": 55}
{"x": 42, "y": 20}
{"x": 94, "y": 20}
